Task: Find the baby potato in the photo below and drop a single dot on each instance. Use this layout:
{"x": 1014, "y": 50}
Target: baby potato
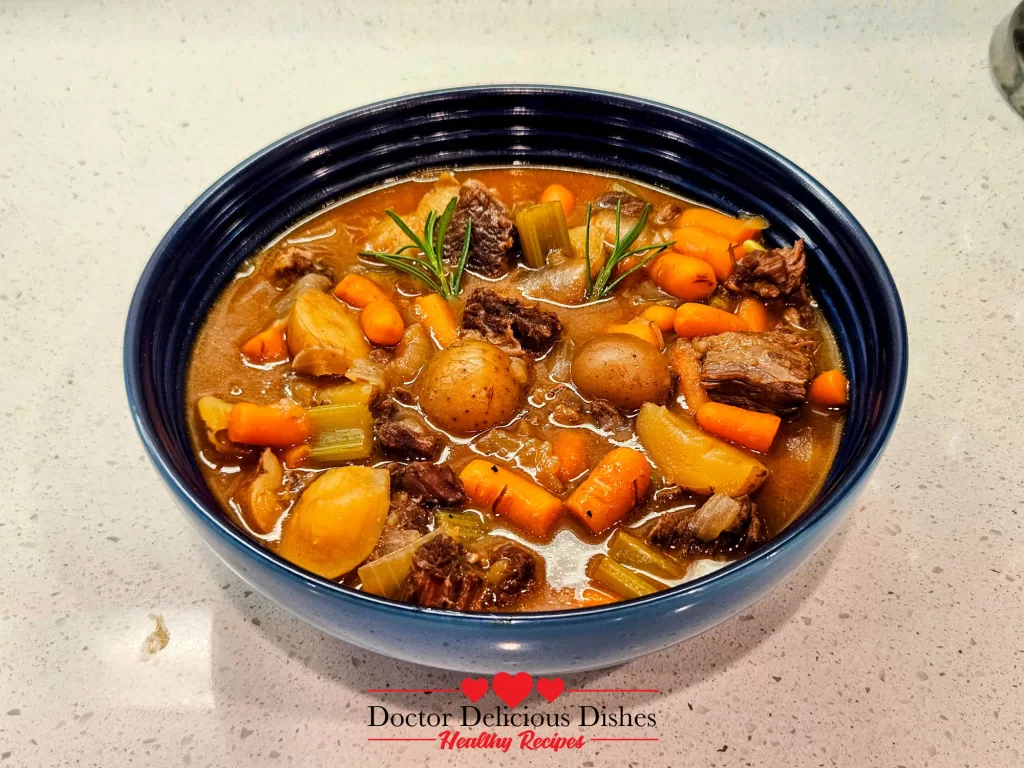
{"x": 337, "y": 521}
{"x": 622, "y": 369}
{"x": 320, "y": 320}
{"x": 469, "y": 387}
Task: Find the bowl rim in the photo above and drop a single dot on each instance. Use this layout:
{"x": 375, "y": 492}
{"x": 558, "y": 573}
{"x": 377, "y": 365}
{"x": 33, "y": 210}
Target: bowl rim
{"x": 809, "y": 521}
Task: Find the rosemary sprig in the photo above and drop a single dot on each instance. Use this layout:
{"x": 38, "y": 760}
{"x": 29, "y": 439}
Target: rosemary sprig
{"x": 600, "y": 286}
{"x": 429, "y": 267}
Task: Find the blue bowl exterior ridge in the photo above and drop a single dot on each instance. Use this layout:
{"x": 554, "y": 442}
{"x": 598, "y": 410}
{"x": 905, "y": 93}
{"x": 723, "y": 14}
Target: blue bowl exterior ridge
{"x": 512, "y": 125}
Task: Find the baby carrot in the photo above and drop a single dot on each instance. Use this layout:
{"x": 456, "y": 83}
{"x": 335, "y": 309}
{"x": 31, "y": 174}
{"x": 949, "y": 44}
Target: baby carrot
{"x": 749, "y": 429}
{"x": 701, "y": 320}
{"x": 685, "y": 277}
{"x": 662, "y": 316}
{"x": 564, "y": 197}
{"x": 570, "y": 448}
{"x": 642, "y": 329}
{"x": 614, "y": 487}
{"x": 509, "y": 494}
{"x": 382, "y": 323}
{"x": 433, "y": 311}
{"x": 755, "y": 313}
{"x": 733, "y": 229}
{"x": 829, "y": 389}
{"x": 358, "y": 291}
{"x": 279, "y": 425}
{"x": 268, "y": 346}
{"x": 704, "y": 244}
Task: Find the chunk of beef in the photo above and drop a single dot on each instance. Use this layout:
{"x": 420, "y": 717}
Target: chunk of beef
{"x": 441, "y": 577}
{"x": 408, "y": 513}
{"x": 431, "y": 484}
{"x": 511, "y": 324}
{"x": 607, "y": 416}
{"x": 445, "y": 575}
{"x": 511, "y": 572}
{"x": 294, "y": 261}
{"x": 766, "y": 372}
{"x": 667, "y": 213}
{"x": 407, "y": 440}
{"x": 632, "y": 205}
{"x": 771, "y": 274}
{"x": 722, "y": 524}
{"x": 490, "y": 239}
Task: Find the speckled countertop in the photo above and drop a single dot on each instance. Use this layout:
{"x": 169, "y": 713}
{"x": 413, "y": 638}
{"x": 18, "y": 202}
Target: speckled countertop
{"x": 900, "y": 644}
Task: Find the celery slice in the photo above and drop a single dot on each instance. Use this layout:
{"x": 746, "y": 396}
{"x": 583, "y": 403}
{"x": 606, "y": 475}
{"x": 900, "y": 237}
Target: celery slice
{"x": 350, "y": 393}
{"x": 340, "y": 433}
{"x": 634, "y": 552}
{"x": 470, "y": 526}
{"x": 542, "y": 229}
{"x": 619, "y": 580}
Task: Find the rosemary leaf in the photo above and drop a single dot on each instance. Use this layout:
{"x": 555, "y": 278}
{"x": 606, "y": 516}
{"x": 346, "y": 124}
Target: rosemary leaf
{"x": 429, "y": 267}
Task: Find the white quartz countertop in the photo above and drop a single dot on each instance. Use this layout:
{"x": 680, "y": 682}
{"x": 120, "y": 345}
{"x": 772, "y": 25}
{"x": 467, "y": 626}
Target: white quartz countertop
{"x": 900, "y": 644}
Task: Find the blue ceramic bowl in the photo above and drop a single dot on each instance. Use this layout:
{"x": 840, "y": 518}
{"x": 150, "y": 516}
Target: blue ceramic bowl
{"x": 505, "y": 125}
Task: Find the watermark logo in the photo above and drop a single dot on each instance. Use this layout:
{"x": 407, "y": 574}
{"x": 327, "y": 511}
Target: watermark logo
{"x": 571, "y": 727}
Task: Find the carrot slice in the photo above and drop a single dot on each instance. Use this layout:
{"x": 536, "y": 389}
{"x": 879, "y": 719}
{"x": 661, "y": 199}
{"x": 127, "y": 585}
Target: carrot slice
{"x": 701, "y": 320}
{"x": 685, "y": 277}
{"x": 755, "y": 313}
{"x": 382, "y": 323}
{"x": 642, "y": 329}
{"x": 704, "y": 244}
{"x": 268, "y": 346}
{"x": 564, "y": 197}
{"x": 278, "y": 425}
{"x": 570, "y": 448}
{"x": 829, "y": 389}
{"x": 509, "y": 494}
{"x": 614, "y": 487}
{"x": 436, "y": 315}
{"x": 662, "y": 316}
{"x": 359, "y": 291}
{"x": 732, "y": 229}
{"x": 749, "y": 429}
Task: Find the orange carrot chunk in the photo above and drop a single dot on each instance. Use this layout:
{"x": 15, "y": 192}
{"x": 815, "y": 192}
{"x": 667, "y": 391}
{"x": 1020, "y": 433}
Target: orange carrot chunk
{"x": 279, "y": 425}
{"x": 615, "y": 486}
{"x": 662, "y": 316}
{"x": 704, "y": 244}
{"x": 685, "y": 277}
{"x": 358, "y": 291}
{"x": 829, "y": 389}
{"x": 701, "y": 320}
{"x": 749, "y": 429}
{"x": 755, "y": 313}
{"x": 729, "y": 227}
{"x": 570, "y": 448}
{"x": 382, "y": 323}
{"x": 511, "y": 495}
{"x": 564, "y": 197}
{"x": 433, "y": 311}
{"x": 642, "y": 329}
{"x": 268, "y": 346}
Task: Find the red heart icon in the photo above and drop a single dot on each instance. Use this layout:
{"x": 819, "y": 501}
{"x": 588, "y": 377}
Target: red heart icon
{"x": 550, "y": 689}
{"x": 512, "y": 689}
{"x": 474, "y": 688}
